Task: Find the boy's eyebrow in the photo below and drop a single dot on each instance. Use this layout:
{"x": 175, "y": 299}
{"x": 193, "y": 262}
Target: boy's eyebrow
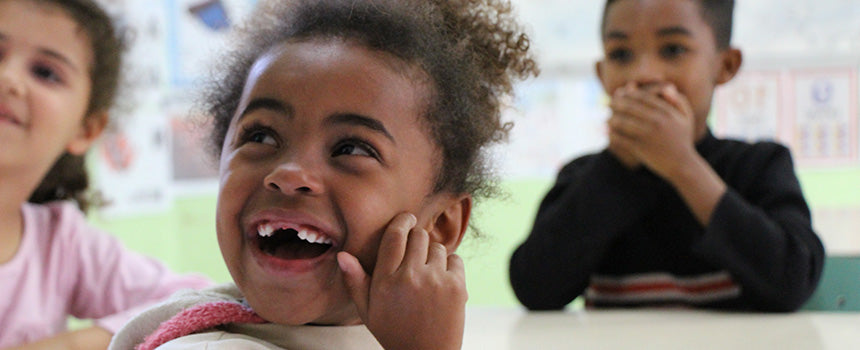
{"x": 51, "y": 53}
{"x": 617, "y": 35}
{"x": 675, "y": 30}
{"x": 667, "y": 31}
{"x": 360, "y": 120}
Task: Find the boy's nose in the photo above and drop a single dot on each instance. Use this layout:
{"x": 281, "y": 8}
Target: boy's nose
{"x": 647, "y": 72}
{"x": 293, "y": 178}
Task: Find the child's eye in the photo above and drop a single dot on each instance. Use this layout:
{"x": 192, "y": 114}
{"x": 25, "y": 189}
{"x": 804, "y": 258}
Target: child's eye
{"x": 46, "y": 73}
{"x": 353, "y": 147}
{"x": 620, "y": 55}
{"x": 672, "y": 51}
{"x": 257, "y": 133}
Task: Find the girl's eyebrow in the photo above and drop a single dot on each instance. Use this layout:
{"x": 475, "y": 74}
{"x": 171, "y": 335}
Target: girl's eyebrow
{"x": 267, "y": 103}
{"x": 276, "y": 106}
{"x": 50, "y": 53}
{"x": 360, "y": 120}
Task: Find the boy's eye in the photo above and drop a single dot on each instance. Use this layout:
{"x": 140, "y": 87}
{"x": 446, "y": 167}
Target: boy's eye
{"x": 620, "y": 55}
{"x": 354, "y": 148}
{"x": 672, "y": 51}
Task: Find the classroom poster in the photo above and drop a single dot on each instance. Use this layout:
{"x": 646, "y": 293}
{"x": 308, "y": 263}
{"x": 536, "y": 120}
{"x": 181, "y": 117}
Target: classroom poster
{"x": 197, "y": 31}
{"x": 131, "y": 164}
{"x": 825, "y": 116}
{"x": 555, "y": 119}
{"x": 750, "y": 107}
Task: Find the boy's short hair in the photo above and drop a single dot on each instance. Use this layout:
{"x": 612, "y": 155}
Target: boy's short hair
{"x": 716, "y": 13}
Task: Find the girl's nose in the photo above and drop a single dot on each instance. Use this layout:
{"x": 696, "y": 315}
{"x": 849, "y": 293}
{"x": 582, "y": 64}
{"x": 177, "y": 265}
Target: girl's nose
{"x": 293, "y": 178}
{"x": 10, "y": 82}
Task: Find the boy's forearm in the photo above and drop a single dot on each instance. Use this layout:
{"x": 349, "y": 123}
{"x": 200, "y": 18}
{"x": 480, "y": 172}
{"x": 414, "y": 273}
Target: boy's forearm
{"x": 83, "y": 339}
{"x": 700, "y": 187}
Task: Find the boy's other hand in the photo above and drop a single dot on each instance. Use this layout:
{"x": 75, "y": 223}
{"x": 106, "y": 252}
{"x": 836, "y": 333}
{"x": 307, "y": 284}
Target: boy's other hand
{"x": 416, "y": 296}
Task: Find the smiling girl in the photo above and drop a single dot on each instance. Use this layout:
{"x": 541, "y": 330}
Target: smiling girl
{"x": 350, "y": 136}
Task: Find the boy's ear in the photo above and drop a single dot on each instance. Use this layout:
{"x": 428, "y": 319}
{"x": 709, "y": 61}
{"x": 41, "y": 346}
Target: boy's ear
{"x": 89, "y": 131}
{"x": 730, "y": 64}
{"x": 598, "y": 69}
{"x": 449, "y": 226}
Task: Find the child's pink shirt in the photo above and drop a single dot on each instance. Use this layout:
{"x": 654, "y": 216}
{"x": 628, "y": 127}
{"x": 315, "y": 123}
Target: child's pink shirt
{"x": 65, "y": 267}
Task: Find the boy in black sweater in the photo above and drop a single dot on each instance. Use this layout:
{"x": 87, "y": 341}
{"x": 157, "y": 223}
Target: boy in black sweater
{"x": 668, "y": 214}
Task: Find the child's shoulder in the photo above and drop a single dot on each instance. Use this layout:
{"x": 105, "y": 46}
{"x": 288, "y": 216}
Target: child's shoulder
{"x": 763, "y": 148}
{"x": 52, "y": 217}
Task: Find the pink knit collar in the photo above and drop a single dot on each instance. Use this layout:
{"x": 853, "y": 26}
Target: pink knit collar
{"x": 198, "y": 318}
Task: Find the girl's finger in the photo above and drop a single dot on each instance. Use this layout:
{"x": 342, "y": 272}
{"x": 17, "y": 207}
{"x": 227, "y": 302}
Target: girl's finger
{"x": 416, "y": 248}
{"x": 437, "y": 256}
{"x": 455, "y": 265}
{"x": 356, "y": 280}
{"x": 392, "y": 247}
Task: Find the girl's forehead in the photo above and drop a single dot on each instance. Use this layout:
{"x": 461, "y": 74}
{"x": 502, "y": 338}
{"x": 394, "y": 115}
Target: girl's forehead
{"x": 46, "y": 28}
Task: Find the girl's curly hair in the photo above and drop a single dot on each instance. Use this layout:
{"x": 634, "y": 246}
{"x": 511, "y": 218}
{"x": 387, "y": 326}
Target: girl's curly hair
{"x": 472, "y": 52}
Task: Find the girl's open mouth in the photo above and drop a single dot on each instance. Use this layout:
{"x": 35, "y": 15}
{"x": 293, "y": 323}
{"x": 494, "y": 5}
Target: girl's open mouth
{"x": 292, "y": 243}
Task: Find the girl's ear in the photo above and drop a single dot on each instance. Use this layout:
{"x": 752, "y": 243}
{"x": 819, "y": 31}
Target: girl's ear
{"x": 730, "y": 64}
{"x": 450, "y": 224}
{"x": 89, "y": 131}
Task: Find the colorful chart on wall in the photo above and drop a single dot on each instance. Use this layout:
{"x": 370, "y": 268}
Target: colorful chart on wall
{"x": 824, "y": 116}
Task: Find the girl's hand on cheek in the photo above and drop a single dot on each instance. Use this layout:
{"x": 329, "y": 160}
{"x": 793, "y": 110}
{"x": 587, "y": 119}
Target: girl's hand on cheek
{"x": 416, "y": 296}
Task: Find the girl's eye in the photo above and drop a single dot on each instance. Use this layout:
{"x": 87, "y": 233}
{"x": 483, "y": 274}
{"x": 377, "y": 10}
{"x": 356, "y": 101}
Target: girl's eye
{"x": 354, "y": 148}
{"x": 620, "y": 55}
{"x": 672, "y": 51}
{"x": 46, "y": 73}
{"x": 256, "y": 133}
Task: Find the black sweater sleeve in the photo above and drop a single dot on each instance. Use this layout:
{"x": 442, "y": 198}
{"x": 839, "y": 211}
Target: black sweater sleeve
{"x": 586, "y": 209}
{"x": 761, "y": 232}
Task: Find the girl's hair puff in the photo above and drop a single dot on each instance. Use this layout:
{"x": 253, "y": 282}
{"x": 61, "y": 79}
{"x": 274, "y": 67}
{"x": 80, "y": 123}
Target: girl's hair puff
{"x": 68, "y": 178}
{"x": 471, "y": 52}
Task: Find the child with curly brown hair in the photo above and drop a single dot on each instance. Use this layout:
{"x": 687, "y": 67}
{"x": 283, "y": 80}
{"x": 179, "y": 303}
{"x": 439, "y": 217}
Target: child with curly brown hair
{"x": 351, "y": 137}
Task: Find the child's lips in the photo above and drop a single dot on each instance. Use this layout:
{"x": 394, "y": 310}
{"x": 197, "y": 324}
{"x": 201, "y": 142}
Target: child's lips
{"x": 288, "y": 243}
{"x": 7, "y": 116}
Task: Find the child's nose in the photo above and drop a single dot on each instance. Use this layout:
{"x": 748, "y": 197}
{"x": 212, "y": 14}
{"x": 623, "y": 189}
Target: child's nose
{"x": 647, "y": 72}
{"x": 10, "y": 82}
{"x": 293, "y": 178}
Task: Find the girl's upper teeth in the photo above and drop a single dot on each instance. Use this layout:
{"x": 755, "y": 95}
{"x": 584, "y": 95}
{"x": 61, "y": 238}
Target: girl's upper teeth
{"x": 267, "y": 230}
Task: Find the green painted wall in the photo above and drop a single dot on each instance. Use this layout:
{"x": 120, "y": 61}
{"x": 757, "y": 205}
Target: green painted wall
{"x": 184, "y": 236}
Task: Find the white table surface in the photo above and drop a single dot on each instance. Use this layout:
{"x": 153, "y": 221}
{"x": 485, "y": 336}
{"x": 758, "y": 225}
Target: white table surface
{"x": 514, "y": 328}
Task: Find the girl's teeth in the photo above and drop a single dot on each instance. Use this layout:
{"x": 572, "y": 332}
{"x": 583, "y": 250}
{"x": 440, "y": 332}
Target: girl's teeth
{"x": 265, "y": 230}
